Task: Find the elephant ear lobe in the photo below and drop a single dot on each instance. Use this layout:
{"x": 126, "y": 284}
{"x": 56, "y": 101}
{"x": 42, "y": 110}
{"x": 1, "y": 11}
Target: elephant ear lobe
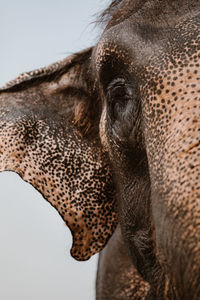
{"x": 49, "y": 136}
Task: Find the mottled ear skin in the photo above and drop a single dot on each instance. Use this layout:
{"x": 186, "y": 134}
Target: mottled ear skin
{"x": 117, "y": 277}
{"x": 49, "y": 136}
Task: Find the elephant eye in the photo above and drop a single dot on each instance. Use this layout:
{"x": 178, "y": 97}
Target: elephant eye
{"x": 118, "y": 90}
{"x": 118, "y": 94}
{"x": 121, "y": 107}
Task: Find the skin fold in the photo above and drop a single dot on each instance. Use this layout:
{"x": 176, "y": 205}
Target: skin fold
{"x": 117, "y": 278}
{"x": 111, "y": 135}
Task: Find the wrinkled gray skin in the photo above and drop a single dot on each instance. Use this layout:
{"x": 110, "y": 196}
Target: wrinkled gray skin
{"x": 138, "y": 90}
{"x": 117, "y": 277}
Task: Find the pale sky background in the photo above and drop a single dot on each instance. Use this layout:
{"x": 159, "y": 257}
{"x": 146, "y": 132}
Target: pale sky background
{"x": 35, "y": 263}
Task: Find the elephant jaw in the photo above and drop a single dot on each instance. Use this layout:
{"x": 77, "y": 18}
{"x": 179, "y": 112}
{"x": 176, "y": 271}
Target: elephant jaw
{"x": 176, "y": 207}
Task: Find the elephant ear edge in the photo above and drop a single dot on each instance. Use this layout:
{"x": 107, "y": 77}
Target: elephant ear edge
{"x": 49, "y": 136}
{"x": 47, "y": 73}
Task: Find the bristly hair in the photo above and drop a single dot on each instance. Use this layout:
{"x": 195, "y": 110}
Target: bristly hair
{"x": 119, "y": 10}
{"x": 109, "y": 11}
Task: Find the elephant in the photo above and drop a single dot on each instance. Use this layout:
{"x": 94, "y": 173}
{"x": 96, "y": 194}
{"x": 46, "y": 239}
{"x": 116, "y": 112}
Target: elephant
{"x": 130, "y": 109}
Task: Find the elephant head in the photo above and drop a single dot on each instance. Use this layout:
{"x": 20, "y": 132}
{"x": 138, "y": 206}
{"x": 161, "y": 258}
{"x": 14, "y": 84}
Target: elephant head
{"x": 49, "y": 136}
{"x": 147, "y": 65}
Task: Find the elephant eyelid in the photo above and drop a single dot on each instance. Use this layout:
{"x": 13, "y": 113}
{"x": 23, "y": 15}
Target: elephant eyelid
{"x": 119, "y": 82}
{"x": 118, "y": 89}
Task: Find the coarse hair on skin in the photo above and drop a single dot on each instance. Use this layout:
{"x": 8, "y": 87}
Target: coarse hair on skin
{"x": 107, "y": 14}
{"x": 118, "y": 11}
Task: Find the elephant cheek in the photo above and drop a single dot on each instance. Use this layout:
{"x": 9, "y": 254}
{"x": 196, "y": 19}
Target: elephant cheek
{"x": 176, "y": 202}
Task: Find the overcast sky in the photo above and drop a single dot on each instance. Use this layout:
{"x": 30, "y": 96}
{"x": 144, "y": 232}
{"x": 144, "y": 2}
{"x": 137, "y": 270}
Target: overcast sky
{"x": 34, "y": 242}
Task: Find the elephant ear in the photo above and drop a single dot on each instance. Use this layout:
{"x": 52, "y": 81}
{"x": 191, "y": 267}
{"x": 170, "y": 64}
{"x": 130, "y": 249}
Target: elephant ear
{"x": 49, "y": 136}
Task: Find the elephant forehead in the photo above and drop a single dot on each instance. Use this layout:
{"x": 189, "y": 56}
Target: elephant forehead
{"x": 136, "y": 43}
{"x": 125, "y": 45}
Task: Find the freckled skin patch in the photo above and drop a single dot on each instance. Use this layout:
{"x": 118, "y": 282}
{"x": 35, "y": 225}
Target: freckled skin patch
{"x": 71, "y": 172}
{"x": 173, "y": 106}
